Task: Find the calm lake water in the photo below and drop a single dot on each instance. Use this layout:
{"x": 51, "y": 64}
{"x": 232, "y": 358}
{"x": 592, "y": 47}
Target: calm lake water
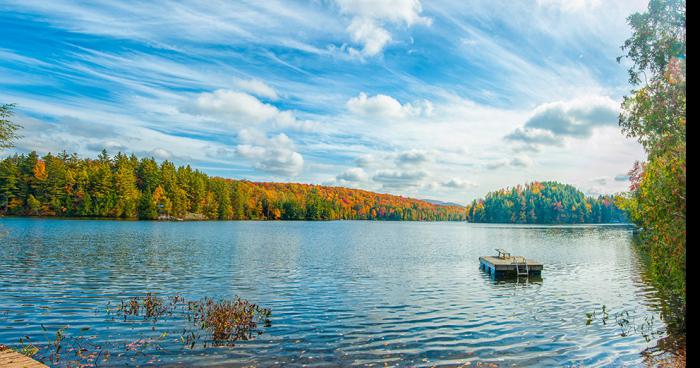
{"x": 341, "y": 293}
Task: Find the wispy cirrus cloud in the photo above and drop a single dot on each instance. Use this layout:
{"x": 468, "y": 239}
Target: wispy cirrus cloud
{"x": 409, "y": 97}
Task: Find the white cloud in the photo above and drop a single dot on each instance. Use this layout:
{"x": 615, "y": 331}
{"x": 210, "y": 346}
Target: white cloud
{"x": 551, "y": 122}
{"x": 383, "y": 106}
{"x": 275, "y": 155}
{"x": 161, "y": 153}
{"x": 519, "y": 161}
{"x": 365, "y": 160}
{"x": 236, "y": 109}
{"x": 369, "y": 18}
{"x": 472, "y": 110}
{"x": 367, "y": 32}
{"x": 233, "y": 105}
{"x": 396, "y": 11}
{"x": 570, "y": 5}
{"x": 497, "y": 164}
{"x": 256, "y": 87}
{"x": 399, "y": 179}
{"x": 456, "y": 183}
{"x": 109, "y": 145}
{"x": 355, "y": 174}
{"x": 534, "y": 137}
{"x": 412, "y": 158}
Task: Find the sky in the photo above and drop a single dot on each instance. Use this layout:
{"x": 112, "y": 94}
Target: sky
{"x": 442, "y": 100}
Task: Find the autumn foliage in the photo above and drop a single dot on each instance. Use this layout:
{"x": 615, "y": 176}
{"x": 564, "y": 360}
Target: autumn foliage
{"x": 127, "y": 187}
{"x": 544, "y": 203}
{"x": 655, "y": 115}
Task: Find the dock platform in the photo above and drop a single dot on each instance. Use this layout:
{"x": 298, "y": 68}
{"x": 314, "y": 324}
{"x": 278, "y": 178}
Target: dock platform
{"x": 506, "y": 265}
{"x": 12, "y": 359}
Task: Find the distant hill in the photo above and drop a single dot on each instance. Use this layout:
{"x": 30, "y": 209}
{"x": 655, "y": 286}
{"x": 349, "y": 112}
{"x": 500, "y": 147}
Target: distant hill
{"x": 441, "y": 203}
{"x": 128, "y": 187}
{"x": 544, "y": 203}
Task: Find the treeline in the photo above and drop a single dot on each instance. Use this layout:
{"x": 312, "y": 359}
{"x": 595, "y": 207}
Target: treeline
{"x": 655, "y": 114}
{"x": 128, "y": 187}
{"x": 544, "y": 203}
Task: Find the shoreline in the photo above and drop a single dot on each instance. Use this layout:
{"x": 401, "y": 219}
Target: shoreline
{"x": 489, "y": 224}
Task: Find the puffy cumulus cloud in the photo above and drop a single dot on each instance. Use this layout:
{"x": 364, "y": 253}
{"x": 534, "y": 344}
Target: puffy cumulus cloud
{"x": 251, "y": 136}
{"x": 456, "y": 183}
{"x": 367, "y": 32}
{"x": 370, "y": 17}
{"x": 576, "y": 118}
{"x": 275, "y": 155}
{"x": 412, "y": 158}
{"x": 228, "y": 104}
{"x": 550, "y": 123}
{"x": 387, "y": 107}
{"x": 392, "y": 179}
{"x": 257, "y": 87}
{"x": 237, "y": 108}
{"x": 353, "y": 175}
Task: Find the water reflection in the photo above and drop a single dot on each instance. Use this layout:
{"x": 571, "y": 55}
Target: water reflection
{"x": 516, "y": 280}
{"x": 344, "y": 292}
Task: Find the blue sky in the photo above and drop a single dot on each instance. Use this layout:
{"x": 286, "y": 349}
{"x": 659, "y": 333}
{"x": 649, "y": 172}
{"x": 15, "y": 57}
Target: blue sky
{"x": 442, "y": 99}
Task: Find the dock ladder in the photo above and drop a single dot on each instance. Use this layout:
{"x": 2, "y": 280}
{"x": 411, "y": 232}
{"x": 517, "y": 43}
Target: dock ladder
{"x": 517, "y": 260}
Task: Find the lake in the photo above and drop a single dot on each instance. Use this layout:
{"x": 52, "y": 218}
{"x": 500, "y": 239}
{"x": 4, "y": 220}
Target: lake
{"x": 341, "y": 293}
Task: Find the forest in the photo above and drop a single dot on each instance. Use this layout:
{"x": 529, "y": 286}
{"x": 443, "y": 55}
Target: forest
{"x": 124, "y": 186}
{"x": 544, "y": 203}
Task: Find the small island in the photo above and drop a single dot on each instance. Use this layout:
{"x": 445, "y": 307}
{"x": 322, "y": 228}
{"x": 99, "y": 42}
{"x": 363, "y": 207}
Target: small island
{"x": 546, "y": 202}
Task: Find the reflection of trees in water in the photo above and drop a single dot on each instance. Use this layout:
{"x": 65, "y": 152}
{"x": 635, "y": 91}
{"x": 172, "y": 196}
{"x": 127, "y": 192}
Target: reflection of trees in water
{"x": 666, "y": 324}
{"x": 670, "y": 349}
{"x": 670, "y": 302}
{"x": 669, "y": 352}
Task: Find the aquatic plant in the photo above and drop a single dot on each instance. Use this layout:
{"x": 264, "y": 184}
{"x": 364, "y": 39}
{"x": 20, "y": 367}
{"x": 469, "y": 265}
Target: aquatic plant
{"x": 206, "y": 321}
{"x": 223, "y": 321}
{"x": 229, "y": 320}
{"x": 627, "y": 323}
{"x": 150, "y": 306}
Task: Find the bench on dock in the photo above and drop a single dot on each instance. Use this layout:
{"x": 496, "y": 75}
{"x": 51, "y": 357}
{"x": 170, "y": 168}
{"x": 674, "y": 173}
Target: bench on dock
{"x": 505, "y": 264}
{"x": 502, "y": 253}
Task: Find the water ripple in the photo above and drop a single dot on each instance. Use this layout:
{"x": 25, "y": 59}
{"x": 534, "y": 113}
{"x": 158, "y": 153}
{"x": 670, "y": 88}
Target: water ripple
{"x": 342, "y": 293}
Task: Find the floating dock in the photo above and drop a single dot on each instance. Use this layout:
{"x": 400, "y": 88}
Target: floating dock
{"x": 12, "y": 359}
{"x": 505, "y": 264}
